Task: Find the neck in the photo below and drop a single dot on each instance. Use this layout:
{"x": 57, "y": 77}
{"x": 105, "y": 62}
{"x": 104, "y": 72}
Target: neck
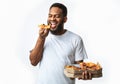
{"x": 61, "y": 32}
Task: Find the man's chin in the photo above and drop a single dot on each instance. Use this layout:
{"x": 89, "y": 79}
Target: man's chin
{"x": 53, "y": 29}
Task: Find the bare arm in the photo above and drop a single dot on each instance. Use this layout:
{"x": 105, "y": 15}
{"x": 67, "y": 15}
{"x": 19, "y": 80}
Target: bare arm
{"x": 37, "y": 52}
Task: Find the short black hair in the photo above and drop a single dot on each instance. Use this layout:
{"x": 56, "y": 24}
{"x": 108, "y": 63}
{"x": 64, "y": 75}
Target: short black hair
{"x": 61, "y": 6}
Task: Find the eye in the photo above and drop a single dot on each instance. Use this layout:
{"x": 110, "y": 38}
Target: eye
{"x": 57, "y": 16}
{"x": 49, "y": 15}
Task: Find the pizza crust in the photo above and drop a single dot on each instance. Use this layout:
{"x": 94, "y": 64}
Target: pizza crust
{"x": 44, "y": 26}
{"x": 72, "y": 71}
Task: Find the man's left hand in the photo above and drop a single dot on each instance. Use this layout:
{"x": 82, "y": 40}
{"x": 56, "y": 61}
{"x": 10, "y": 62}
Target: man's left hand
{"x": 86, "y": 76}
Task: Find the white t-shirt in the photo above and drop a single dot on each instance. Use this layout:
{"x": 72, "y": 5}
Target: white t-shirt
{"x": 60, "y": 50}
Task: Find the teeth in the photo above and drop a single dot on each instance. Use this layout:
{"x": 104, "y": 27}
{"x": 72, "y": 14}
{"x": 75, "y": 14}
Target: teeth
{"x": 53, "y": 23}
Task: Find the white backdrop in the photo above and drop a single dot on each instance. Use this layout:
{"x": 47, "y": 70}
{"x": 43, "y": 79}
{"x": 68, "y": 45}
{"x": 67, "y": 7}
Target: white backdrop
{"x": 96, "y": 21}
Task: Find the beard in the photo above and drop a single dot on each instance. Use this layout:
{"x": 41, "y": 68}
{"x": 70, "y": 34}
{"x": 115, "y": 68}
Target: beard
{"x": 58, "y": 29}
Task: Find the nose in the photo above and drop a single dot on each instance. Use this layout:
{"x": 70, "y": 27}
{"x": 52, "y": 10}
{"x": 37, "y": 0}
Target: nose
{"x": 52, "y": 18}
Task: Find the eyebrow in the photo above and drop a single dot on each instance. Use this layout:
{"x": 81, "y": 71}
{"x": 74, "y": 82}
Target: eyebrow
{"x": 54, "y": 14}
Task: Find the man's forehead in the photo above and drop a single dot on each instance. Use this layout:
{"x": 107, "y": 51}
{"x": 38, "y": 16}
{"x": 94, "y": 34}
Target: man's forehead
{"x": 55, "y": 10}
{"x": 54, "y": 14}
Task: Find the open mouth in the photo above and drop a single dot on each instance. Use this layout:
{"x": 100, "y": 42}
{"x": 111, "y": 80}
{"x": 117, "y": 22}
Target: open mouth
{"x": 53, "y": 24}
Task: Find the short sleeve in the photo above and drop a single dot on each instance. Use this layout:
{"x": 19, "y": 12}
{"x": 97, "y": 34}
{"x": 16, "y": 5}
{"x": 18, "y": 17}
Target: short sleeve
{"x": 80, "y": 52}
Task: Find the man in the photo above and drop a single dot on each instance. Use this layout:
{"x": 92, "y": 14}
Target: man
{"x": 57, "y": 47}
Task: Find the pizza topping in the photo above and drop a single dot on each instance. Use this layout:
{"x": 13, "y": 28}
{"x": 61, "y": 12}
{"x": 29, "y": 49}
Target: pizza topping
{"x": 90, "y": 66}
{"x": 85, "y": 66}
{"x": 44, "y": 26}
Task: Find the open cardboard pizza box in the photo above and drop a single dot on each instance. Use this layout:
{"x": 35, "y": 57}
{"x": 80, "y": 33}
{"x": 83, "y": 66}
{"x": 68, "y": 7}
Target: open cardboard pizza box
{"x": 75, "y": 70}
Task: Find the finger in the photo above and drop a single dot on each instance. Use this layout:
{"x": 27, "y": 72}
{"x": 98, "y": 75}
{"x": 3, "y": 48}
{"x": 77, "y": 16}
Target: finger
{"x": 86, "y": 75}
{"x": 90, "y": 75}
{"x": 41, "y": 31}
{"x": 72, "y": 78}
{"x": 46, "y": 31}
{"x": 83, "y": 75}
{"x": 79, "y": 78}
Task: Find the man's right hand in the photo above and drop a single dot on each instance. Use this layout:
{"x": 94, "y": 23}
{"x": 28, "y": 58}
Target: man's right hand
{"x": 43, "y": 33}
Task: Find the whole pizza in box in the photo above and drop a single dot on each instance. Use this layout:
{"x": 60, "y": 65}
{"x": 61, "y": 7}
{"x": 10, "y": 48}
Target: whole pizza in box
{"x": 75, "y": 71}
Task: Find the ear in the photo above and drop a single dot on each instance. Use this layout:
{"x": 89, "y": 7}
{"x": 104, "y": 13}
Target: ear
{"x": 65, "y": 19}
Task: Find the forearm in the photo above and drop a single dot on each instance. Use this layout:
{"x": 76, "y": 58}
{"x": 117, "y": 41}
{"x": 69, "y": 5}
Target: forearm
{"x": 36, "y": 53}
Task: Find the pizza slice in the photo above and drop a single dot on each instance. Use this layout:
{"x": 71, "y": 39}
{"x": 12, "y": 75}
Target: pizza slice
{"x": 44, "y": 26}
